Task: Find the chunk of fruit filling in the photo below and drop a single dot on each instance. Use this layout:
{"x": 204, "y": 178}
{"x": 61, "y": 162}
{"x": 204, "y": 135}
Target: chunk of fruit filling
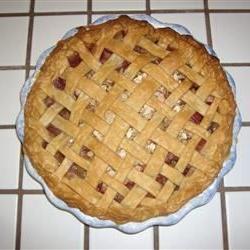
{"x": 131, "y": 133}
{"x": 196, "y": 118}
{"x": 107, "y": 85}
{"x": 44, "y": 144}
{"x": 179, "y": 77}
{"x": 178, "y": 106}
{"x": 92, "y": 105}
{"x": 90, "y": 74}
{"x": 212, "y": 127}
{"x": 48, "y": 101}
{"x": 184, "y": 136}
{"x": 161, "y": 179}
{"x": 86, "y": 153}
{"x": 200, "y": 145}
{"x": 59, "y": 83}
{"x": 128, "y": 183}
{"x": 118, "y": 198}
{"x": 109, "y": 117}
{"x": 74, "y": 60}
{"x": 101, "y": 187}
{"x": 77, "y": 93}
{"x": 209, "y": 100}
{"x": 124, "y": 95}
{"x": 140, "y": 167}
{"x": 140, "y": 50}
{"x": 147, "y": 112}
{"x": 59, "y": 157}
{"x": 76, "y": 171}
{"x": 139, "y": 77}
{"x": 70, "y": 141}
{"x": 171, "y": 159}
{"x": 156, "y": 61}
{"x": 162, "y": 94}
{"x": 149, "y": 195}
{"x": 123, "y": 66}
{"x": 65, "y": 113}
{"x": 150, "y": 146}
{"x": 110, "y": 171}
{"x": 122, "y": 153}
{"x": 106, "y": 54}
{"x": 164, "y": 124}
{"x": 97, "y": 135}
{"x": 189, "y": 170}
{"x": 81, "y": 123}
{"x": 54, "y": 131}
{"x": 194, "y": 88}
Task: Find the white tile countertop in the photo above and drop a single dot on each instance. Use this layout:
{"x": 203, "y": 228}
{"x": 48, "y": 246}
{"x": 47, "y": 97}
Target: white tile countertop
{"x": 27, "y": 219}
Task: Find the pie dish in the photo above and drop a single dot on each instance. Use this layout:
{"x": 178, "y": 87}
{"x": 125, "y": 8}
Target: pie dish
{"x": 127, "y": 122}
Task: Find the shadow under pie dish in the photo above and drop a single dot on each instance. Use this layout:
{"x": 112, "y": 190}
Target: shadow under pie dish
{"x": 127, "y": 122}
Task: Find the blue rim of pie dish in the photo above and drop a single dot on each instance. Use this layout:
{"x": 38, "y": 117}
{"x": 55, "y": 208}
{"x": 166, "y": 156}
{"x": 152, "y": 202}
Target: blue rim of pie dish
{"x": 130, "y": 227}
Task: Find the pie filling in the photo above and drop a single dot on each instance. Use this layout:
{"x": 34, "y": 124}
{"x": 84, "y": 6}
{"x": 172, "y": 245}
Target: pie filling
{"x": 138, "y": 120}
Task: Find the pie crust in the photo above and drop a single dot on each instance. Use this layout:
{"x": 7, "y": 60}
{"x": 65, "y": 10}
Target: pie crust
{"x": 127, "y": 122}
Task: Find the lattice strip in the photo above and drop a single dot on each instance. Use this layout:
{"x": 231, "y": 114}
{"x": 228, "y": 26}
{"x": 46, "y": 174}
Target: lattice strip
{"x": 91, "y": 89}
{"x": 115, "y": 133}
{"x": 142, "y": 94}
{"x": 135, "y": 150}
{"x": 129, "y": 115}
{"x": 152, "y": 48}
{"x": 108, "y": 67}
{"x": 172, "y": 174}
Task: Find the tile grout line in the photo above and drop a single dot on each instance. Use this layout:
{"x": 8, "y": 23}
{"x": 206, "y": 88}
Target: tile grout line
{"x": 13, "y": 126}
{"x": 225, "y": 64}
{"x": 208, "y": 24}
{"x": 147, "y": 5}
{"x": 22, "y": 192}
{"x": 8, "y": 126}
{"x": 12, "y": 67}
{"x": 89, "y": 12}
{"x": 229, "y": 10}
{"x": 86, "y": 227}
{"x": 20, "y": 195}
{"x": 246, "y": 124}
{"x": 237, "y": 189}
{"x": 16, "y": 67}
{"x": 86, "y": 237}
{"x": 156, "y": 242}
{"x": 226, "y": 189}
{"x": 222, "y": 190}
{"x": 156, "y": 237}
{"x": 60, "y": 13}
{"x": 224, "y": 218}
{"x": 243, "y": 64}
{"x": 24, "y": 67}
{"x": 29, "y": 42}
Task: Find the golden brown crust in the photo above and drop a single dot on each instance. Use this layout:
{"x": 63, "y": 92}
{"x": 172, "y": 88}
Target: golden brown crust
{"x": 175, "y": 145}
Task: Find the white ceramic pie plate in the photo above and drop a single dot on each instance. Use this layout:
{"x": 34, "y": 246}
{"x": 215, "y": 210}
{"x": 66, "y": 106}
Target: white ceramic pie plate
{"x": 131, "y": 227}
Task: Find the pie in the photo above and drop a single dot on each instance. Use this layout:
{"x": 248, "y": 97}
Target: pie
{"x": 127, "y": 122}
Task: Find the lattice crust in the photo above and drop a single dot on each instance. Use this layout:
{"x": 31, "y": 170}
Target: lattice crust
{"x": 127, "y": 122}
